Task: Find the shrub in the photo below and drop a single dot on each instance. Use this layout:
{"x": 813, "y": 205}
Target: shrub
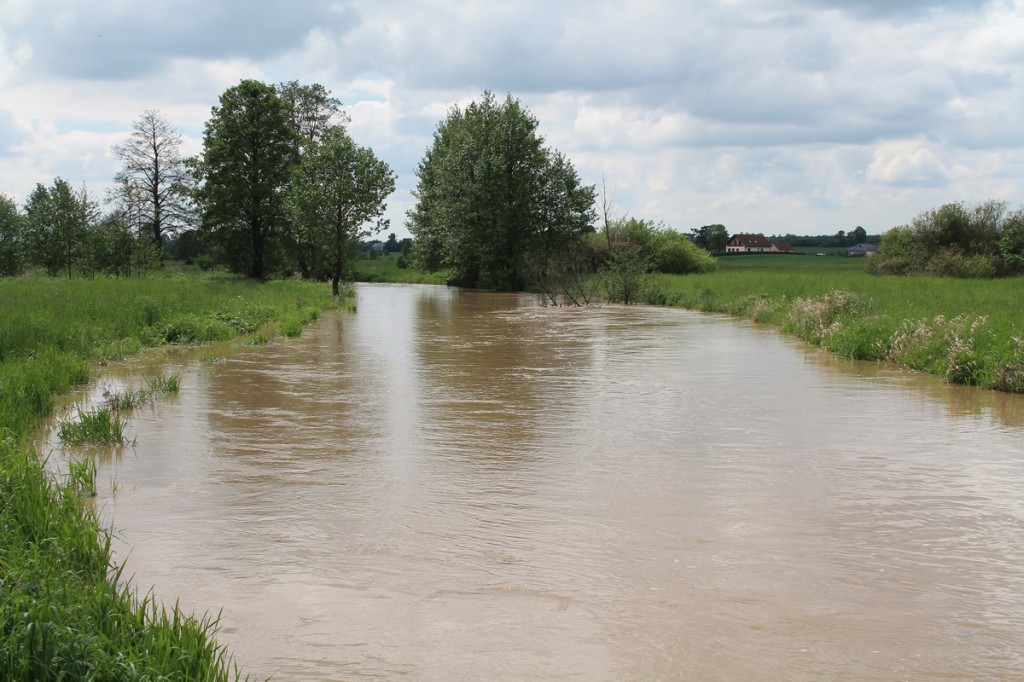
{"x": 673, "y": 253}
{"x": 955, "y": 241}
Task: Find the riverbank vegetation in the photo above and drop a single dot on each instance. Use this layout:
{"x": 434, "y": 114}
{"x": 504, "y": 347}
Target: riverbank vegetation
{"x": 964, "y": 331}
{"x": 67, "y": 612}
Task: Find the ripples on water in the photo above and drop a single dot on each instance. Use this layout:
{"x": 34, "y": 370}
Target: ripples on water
{"x": 456, "y": 485}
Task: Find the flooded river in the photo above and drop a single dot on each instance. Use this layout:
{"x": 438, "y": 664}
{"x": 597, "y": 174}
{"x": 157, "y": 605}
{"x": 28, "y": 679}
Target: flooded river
{"x": 457, "y": 485}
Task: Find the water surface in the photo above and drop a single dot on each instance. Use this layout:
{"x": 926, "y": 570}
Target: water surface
{"x": 460, "y": 485}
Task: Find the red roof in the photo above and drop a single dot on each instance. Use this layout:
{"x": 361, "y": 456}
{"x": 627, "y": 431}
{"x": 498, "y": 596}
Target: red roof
{"x": 751, "y": 241}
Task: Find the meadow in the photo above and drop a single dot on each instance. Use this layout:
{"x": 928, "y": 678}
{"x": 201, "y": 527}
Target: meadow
{"x": 67, "y": 612}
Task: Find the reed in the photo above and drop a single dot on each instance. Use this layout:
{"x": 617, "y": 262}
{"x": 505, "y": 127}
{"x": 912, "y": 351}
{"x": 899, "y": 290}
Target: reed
{"x": 259, "y": 339}
{"x": 126, "y": 401}
{"x": 81, "y": 476}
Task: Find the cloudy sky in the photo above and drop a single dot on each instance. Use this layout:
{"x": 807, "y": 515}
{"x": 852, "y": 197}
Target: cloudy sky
{"x": 772, "y": 116}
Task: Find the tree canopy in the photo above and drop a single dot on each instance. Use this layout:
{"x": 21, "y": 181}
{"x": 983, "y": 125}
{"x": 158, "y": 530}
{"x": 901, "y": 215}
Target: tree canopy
{"x": 711, "y": 238}
{"x": 492, "y": 200}
{"x": 58, "y": 220}
{"x": 338, "y": 188}
{"x": 248, "y": 148}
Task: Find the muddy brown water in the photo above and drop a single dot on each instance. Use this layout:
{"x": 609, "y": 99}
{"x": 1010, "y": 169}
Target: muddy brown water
{"x": 458, "y": 485}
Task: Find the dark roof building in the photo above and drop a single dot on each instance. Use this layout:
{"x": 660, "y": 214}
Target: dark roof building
{"x": 861, "y": 250}
{"x": 748, "y": 243}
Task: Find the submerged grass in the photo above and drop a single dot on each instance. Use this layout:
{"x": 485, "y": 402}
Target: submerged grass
{"x": 66, "y": 613}
{"x": 964, "y": 331}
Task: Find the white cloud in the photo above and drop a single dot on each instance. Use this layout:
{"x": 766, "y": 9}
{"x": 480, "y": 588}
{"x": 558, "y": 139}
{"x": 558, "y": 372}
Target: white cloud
{"x": 908, "y": 163}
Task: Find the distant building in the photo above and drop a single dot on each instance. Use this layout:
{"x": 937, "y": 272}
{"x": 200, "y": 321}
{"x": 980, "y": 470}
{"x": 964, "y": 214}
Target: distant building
{"x": 748, "y": 243}
{"x": 783, "y": 247}
{"x": 861, "y": 250}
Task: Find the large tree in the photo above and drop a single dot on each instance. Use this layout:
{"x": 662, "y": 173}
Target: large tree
{"x": 492, "y": 199}
{"x": 248, "y": 149}
{"x": 337, "y": 197}
{"x": 152, "y": 180}
{"x": 58, "y": 221}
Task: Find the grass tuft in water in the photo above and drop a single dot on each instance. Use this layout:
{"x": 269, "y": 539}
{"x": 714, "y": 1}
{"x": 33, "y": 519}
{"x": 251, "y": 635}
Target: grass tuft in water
{"x": 99, "y": 426}
{"x": 165, "y": 384}
{"x": 82, "y": 477}
{"x": 209, "y": 356}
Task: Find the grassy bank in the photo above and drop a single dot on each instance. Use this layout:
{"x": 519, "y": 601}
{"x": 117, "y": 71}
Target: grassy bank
{"x": 965, "y": 331}
{"x": 65, "y": 612}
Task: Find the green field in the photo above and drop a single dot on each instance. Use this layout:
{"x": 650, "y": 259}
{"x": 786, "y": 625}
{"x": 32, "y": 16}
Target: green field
{"x": 66, "y": 612}
{"x": 384, "y": 268}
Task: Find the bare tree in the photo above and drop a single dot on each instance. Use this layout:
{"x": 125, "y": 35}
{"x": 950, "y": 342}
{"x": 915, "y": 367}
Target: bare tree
{"x": 153, "y": 177}
{"x": 610, "y": 225}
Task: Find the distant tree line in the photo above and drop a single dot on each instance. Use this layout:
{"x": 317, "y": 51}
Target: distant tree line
{"x": 840, "y": 239}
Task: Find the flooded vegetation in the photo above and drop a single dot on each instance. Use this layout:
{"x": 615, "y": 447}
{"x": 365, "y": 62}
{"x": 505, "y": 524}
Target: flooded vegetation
{"x": 453, "y": 483}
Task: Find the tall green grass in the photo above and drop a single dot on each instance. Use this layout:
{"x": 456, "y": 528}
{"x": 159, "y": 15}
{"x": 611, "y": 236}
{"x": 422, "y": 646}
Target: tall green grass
{"x": 965, "y": 331}
{"x": 101, "y": 318}
{"x": 66, "y": 613}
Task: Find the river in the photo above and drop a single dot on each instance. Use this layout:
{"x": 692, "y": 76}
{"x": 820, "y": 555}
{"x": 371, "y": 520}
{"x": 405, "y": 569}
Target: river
{"x": 455, "y": 485}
